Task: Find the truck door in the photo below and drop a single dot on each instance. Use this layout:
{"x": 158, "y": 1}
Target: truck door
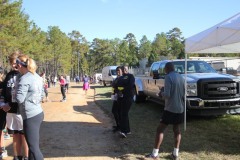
{"x": 157, "y": 83}
{"x": 151, "y": 83}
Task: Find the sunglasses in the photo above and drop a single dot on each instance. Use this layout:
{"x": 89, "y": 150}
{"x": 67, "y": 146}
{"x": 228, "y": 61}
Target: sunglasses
{"x": 18, "y": 61}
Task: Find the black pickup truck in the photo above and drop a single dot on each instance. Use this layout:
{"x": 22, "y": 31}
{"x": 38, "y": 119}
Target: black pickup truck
{"x": 208, "y": 92}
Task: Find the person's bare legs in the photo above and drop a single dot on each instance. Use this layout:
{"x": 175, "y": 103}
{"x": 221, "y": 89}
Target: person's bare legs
{"x": 177, "y": 135}
{"x": 16, "y": 145}
{"x": 177, "y": 139}
{"x": 159, "y": 135}
{"x": 158, "y": 140}
{"x": 19, "y": 143}
{"x": 24, "y": 145}
{"x": 1, "y": 141}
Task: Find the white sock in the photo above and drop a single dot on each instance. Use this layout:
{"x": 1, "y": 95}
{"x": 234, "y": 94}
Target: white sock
{"x": 155, "y": 152}
{"x": 175, "y": 151}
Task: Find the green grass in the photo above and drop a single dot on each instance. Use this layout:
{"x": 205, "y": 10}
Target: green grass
{"x": 206, "y": 138}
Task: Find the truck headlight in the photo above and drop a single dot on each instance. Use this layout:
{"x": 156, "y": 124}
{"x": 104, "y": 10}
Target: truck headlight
{"x": 192, "y": 89}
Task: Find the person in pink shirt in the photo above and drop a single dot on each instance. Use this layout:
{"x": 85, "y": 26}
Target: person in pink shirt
{"x": 85, "y": 84}
{"x": 62, "y": 82}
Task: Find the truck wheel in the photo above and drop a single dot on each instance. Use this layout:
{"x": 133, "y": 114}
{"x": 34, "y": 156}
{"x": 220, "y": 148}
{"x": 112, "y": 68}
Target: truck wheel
{"x": 138, "y": 98}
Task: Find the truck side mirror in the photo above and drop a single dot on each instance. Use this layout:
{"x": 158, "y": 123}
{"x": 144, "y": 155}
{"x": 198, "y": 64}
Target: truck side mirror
{"x": 109, "y": 74}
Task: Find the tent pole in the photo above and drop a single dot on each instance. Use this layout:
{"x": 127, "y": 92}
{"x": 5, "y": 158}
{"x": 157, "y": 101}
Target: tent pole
{"x": 185, "y": 101}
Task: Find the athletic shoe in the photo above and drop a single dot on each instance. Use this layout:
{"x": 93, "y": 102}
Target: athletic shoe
{"x": 16, "y": 158}
{"x": 123, "y": 135}
{"x": 63, "y": 100}
{"x": 151, "y": 156}
{"x": 6, "y": 136}
{"x": 174, "y": 157}
{"x": 129, "y": 133}
{"x": 25, "y": 158}
{"x": 3, "y": 154}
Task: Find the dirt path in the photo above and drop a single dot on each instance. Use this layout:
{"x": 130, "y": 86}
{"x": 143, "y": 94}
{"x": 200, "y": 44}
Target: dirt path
{"x": 74, "y": 130}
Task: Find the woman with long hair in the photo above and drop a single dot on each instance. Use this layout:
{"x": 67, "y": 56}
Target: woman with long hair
{"x": 29, "y": 97}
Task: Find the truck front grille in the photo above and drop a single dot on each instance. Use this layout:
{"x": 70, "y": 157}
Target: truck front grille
{"x": 218, "y": 89}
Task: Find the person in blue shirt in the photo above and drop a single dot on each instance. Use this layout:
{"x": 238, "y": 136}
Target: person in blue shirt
{"x": 173, "y": 93}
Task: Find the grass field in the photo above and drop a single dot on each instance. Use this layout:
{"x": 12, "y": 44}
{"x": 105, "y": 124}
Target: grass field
{"x": 206, "y": 138}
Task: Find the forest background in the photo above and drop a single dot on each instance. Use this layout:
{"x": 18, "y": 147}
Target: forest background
{"x": 56, "y": 52}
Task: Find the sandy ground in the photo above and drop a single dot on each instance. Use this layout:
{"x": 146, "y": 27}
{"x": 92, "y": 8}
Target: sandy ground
{"x": 74, "y": 130}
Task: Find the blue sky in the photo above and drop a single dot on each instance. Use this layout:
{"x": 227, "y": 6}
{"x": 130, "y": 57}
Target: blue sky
{"x": 109, "y": 19}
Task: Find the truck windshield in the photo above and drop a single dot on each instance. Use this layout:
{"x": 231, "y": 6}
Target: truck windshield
{"x": 113, "y": 72}
{"x": 193, "y": 67}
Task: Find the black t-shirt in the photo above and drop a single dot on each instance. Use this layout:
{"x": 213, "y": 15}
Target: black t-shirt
{"x": 9, "y": 84}
{"x": 126, "y": 81}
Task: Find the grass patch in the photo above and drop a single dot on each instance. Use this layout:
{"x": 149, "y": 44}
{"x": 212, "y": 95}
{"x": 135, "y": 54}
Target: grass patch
{"x": 208, "y": 138}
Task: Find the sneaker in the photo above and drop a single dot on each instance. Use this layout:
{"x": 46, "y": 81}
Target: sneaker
{"x": 151, "y": 156}
{"x": 6, "y": 136}
{"x": 63, "y": 100}
{"x": 3, "y": 154}
{"x": 174, "y": 157}
{"x": 16, "y": 158}
{"x": 129, "y": 133}
{"x": 123, "y": 135}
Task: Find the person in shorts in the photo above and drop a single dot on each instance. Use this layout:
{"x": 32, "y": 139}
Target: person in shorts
{"x": 173, "y": 93}
{"x": 14, "y": 120}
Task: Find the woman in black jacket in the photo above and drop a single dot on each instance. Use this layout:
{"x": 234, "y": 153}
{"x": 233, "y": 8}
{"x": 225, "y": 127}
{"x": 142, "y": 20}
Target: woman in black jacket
{"x": 14, "y": 119}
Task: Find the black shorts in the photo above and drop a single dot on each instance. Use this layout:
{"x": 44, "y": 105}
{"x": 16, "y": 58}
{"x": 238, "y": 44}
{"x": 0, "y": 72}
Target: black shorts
{"x": 172, "y": 118}
{"x": 2, "y": 119}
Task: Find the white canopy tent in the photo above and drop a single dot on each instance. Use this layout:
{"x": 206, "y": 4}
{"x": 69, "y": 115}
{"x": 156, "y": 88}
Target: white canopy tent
{"x": 221, "y": 38}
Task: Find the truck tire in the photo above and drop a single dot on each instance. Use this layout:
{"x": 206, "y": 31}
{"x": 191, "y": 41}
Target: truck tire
{"x": 138, "y": 98}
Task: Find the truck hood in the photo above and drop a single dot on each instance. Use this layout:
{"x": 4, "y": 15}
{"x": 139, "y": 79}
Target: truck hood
{"x": 196, "y": 76}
